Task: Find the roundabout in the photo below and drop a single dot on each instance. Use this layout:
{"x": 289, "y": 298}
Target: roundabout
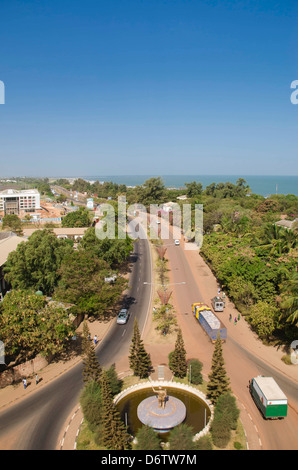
{"x": 163, "y": 405}
{"x": 161, "y": 418}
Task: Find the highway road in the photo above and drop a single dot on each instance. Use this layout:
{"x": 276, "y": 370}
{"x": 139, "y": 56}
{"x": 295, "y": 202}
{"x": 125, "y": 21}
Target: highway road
{"x": 35, "y": 422}
{"x": 241, "y": 363}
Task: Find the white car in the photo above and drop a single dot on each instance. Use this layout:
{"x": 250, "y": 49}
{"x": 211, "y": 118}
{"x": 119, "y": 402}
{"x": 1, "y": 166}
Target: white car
{"x": 177, "y": 242}
{"x": 122, "y": 316}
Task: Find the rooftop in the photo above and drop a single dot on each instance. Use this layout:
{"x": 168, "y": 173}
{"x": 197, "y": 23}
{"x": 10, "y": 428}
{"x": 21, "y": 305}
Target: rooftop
{"x": 8, "y": 192}
{"x": 7, "y": 245}
{"x": 58, "y": 231}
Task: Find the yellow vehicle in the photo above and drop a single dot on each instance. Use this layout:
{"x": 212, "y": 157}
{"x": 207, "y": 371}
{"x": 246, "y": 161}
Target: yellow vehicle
{"x": 209, "y": 321}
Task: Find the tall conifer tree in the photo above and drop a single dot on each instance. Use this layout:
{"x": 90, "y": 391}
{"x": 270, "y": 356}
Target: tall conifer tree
{"x": 218, "y": 379}
{"x": 178, "y": 363}
{"x": 91, "y": 368}
{"x": 114, "y": 435}
{"x": 139, "y": 359}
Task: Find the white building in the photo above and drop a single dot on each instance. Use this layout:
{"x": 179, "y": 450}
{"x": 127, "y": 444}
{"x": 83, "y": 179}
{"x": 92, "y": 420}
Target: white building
{"x": 13, "y": 201}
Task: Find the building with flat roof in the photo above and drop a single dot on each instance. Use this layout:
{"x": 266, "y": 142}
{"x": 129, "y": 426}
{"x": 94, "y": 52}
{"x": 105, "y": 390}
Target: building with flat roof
{"x": 13, "y": 201}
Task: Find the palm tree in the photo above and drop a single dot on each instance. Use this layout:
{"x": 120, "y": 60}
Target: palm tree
{"x": 289, "y": 299}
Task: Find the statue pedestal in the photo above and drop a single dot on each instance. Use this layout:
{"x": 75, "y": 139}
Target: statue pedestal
{"x": 161, "y": 419}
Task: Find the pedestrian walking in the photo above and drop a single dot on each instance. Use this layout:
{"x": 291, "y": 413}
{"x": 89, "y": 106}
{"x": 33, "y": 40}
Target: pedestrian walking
{"x": 235, "y": 321}
{"x": 238, "y": 316}
{"x": 25, "y": 383}
{"x": 95, "y": 340}
{"x": 36, "y": 380}
{"x": 230, "y": 317}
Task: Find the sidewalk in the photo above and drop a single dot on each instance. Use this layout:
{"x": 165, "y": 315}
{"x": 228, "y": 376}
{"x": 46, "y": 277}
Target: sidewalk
{"x": 240, "y": 331}
{"x": 159, "y": 355}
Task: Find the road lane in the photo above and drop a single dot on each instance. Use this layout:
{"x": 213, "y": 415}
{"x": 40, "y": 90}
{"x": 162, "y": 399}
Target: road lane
{"x": 241, "y": 364}
{"x": 36, "y": 422}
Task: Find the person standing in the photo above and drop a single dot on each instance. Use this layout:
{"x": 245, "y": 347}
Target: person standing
{"x": 25, "y": 383}
{"x": 95, "y": 340}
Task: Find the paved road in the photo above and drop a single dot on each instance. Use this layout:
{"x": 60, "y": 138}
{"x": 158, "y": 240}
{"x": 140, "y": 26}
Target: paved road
{"x": 35, "y": 422}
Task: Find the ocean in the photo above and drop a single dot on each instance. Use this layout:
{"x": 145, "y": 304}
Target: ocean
{"x": 263, "y": 185}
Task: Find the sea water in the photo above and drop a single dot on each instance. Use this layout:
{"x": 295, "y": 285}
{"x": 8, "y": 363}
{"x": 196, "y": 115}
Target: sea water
{"x": 263, "y": 185}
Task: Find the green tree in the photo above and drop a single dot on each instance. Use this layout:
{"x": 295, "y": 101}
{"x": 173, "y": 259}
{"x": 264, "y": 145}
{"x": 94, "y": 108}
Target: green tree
{"x": 147, "y": 439}
{"x": 195, "y": 371}
{"x": 82, "y": 283}
{"x": 218, "y": 379}
{"x": 112, "y": 250}
{"x": 12, "y": 222}
{"x": 91, "y": 404}
{"x": 193, "y": 189}
{"x": 181, "y": 438}
{"x": 85, "y": 337}
{"x": 178, "y": 364}
{"x": 114, "y": 434}
{"x": 289, "y": 299}
{"x": 114, "y": 382}
{"x": 139, "y": 359}
{"x": 29, "y": 325}
{"x": 226, "y": 405}
{"x": 35, "y": 263}
{"x": 226, "y": 416}
{"x": 92, "y": 370}
{"x": 204, "y": 443}
{"x": 153, "y": 191}
{"x": 79, "y": 218}
{"x": 263, "y": 317}
{"x": 220, "y": 431}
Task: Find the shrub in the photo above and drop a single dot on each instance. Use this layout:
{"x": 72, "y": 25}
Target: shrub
{"x": 147, "y": 439}
{"x": 181, "y": 438}
{"x": 195, "y": 368}
{"x": 226, "y": 405}
{"x": 220, "y": 431}
{"x": 204, "y": 443}
{"x": 90, "y": 401}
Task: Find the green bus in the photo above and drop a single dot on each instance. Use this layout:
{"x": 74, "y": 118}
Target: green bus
{"x": 268, "y": 397}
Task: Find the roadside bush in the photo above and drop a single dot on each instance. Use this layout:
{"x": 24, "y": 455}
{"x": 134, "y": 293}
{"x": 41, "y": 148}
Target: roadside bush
{"x": 195, "y": 368}
{"x": 204, "y": 443}
{"x": 226, "y": 415}
{"x": 90, "y": 401}
{"x": 226, "y": 406}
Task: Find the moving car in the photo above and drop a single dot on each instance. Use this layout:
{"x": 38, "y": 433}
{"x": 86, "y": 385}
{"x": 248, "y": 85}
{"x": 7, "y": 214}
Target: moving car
{"x": 122, "y": 316}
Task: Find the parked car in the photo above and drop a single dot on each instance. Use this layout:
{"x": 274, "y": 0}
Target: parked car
{"x": 122, "y": 316}
{"x": 177, "y": 242}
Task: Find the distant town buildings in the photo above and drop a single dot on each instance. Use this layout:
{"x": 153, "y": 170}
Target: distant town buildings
{"x": 13, "y": 201}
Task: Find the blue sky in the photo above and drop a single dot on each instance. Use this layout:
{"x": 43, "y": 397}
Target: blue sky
{"x": 109, "y": 87}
